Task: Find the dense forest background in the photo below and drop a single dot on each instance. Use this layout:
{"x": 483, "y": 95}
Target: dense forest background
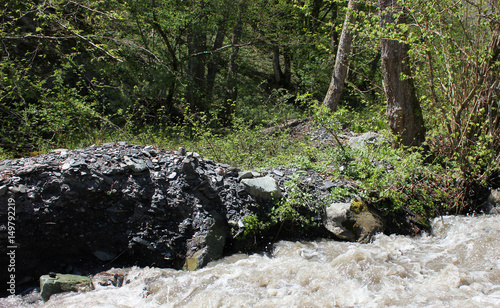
{"x": 168, "y": 72}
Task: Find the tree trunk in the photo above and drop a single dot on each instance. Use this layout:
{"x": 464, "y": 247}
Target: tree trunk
{"x": 403, "y": 108}
{"x": 231, "y": 89}
{"x": 332, "y": 97}
{"x": 232, "y": 77}
{"x": 196, "y": 68}
{"x": 489, "y": 95}
{"x": 277, "y": 72}
{"x": 214, "y": 63}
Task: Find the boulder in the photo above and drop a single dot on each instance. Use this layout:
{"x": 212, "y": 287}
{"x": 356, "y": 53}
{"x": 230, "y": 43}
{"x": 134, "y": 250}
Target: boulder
{"x": 337, "y": 221}
{"x": 492, "y": 205}
{"x": 366, "y": 139}
{"x": 263, "y": 187}
{"x": 212, "y": 241}
{"x": 368, "y": 221}
{"x": 354, "y": 221}
{"x": 58, "y": 283}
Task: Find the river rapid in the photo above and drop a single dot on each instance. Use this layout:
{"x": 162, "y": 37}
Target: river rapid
{"x": 457, "y": 266}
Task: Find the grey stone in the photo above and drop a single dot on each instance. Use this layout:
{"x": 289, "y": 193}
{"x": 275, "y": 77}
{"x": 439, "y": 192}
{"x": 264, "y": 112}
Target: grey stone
{"x": 366, "y": 139}
{"x": 135, "y": 164}
{"x": 278, "y": 173}
{"x": 241, "y": 224}
{"x": 328, "y": 185}
{"x": 336, "y": 221}
{"x": 492, "y": 205}
{"x": 247, "y": 175}
{"x": 264, "y": 187}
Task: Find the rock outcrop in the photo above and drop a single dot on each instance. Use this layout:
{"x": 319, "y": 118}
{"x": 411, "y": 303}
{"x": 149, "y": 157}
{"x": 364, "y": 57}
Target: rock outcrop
{"x": 86, "y": 210}
{"x": 117, "y": 205}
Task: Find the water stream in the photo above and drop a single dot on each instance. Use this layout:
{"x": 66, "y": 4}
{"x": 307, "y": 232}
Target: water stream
{"x": 457, "y": 266}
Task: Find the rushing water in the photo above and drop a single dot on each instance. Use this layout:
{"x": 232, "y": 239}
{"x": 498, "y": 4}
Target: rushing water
{"x": 457, "y": 266}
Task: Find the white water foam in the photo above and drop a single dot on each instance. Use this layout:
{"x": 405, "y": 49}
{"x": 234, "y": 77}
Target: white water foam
{"x": 457, "y": 266}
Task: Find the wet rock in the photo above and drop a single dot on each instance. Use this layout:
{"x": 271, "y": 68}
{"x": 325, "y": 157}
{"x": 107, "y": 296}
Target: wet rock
{"x": 353, "y": 221}
{"x": 213, "y": 240}
{"x": 368, "y": 221}
{"x": 109, "y": 279}
{"x": 337, "y": 221}
{"x": 58, "y": 283}
{"x": 264, "y": 187}
{"x": 492, "y": 204}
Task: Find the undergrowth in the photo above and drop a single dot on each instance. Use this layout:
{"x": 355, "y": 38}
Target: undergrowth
{"x": 426, "y": 182}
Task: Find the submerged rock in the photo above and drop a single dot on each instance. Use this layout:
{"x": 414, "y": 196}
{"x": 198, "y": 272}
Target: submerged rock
{"x": 58, "y": 283}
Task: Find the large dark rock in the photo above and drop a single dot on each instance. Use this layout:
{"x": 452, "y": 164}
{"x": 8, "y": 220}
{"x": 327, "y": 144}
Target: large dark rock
{"x": 117, "y": 205}
{"x": 84, "y": 211}
{"x": 114, "y": 205}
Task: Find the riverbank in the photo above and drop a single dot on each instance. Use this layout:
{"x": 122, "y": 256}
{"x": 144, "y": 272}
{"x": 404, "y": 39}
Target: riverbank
{"x": 119, "y": 205}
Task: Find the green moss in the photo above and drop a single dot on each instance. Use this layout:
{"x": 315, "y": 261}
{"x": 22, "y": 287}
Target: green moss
{"x": 358, "y": 207}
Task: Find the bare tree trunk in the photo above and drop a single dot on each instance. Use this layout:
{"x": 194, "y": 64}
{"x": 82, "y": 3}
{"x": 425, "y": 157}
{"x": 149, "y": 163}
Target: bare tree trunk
{"x": 403, "y": 108}
{"x": 214, "y": 62}
{"x": 278, "y": 73}
{"x": 332, "y": 97}
{"x": 232, "y": 76}
{"x": 196, "y": 68}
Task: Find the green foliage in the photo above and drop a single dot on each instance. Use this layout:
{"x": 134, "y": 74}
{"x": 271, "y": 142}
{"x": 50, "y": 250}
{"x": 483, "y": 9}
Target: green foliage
{"x": 299, "y": 208}
{"x": 74, "y": 73}
{"x": 298, "y": 211}
{"x": 253, "y": 227}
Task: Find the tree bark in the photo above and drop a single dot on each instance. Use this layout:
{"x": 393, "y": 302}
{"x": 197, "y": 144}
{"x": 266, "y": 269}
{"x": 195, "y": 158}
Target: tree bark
{"x": 214, "y": 62}
{"x": 403, "y": 108}
{"x": 278, "y": 73}
{"x": 334, "y": 93}
{"x": 196, "y": 68}
{"x": 231, "y": 88}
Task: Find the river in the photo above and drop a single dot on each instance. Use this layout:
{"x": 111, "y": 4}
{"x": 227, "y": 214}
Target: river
{"x": 457, "y": 266}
